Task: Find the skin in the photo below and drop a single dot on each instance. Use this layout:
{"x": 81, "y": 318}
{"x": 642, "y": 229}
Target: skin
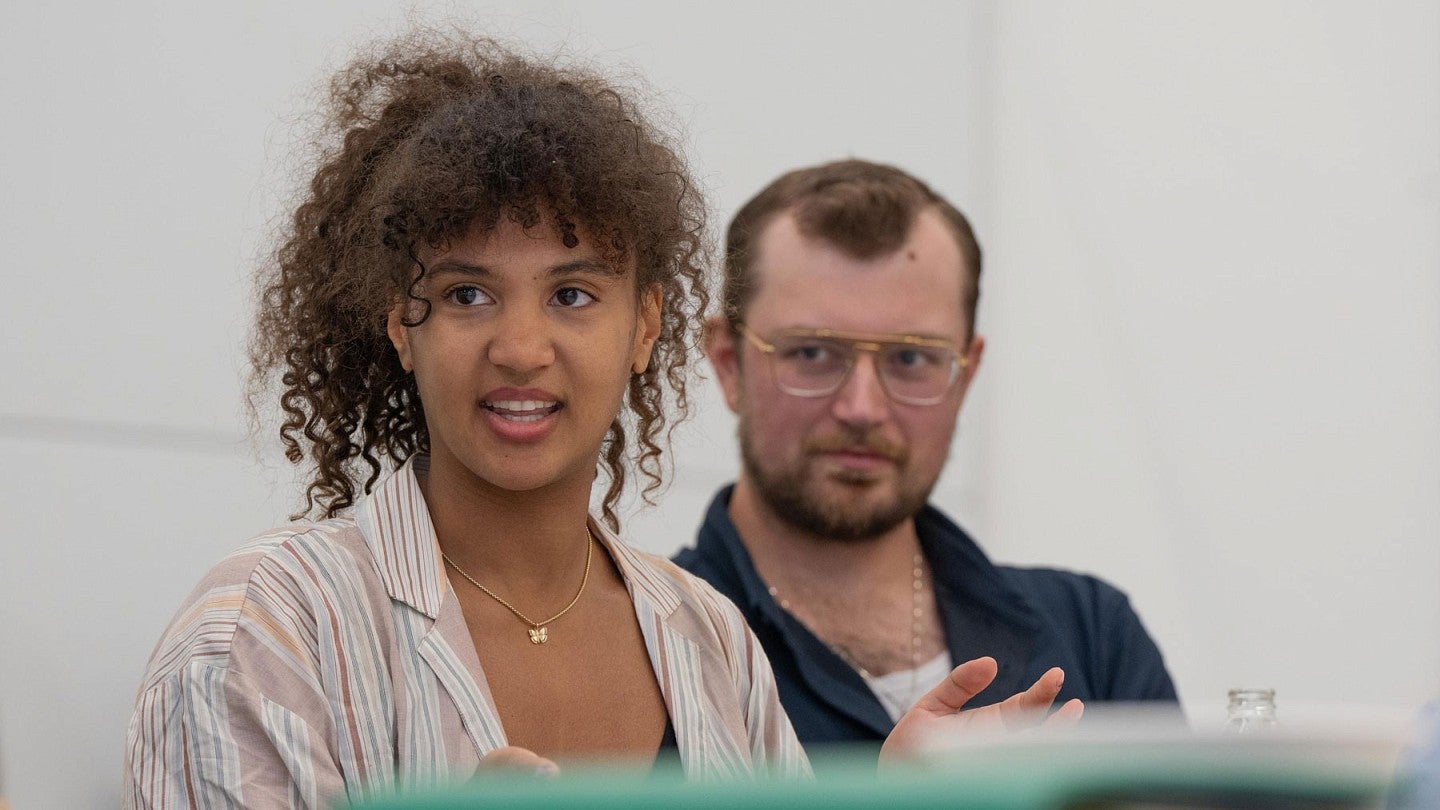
{"x": 518, "y": 317}
{"x": 856, "y": 453}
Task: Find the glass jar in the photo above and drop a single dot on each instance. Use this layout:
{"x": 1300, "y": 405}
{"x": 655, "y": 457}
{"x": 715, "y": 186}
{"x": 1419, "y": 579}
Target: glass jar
{"x": 1250, "y": 711}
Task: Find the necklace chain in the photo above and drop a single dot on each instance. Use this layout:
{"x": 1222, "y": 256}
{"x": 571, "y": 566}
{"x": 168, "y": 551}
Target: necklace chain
{"x": 539, "y": 631}
{"x": 916, "y": 613}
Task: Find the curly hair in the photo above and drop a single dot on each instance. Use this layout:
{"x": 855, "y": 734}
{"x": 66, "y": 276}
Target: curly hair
{"x": 424, "y": 137}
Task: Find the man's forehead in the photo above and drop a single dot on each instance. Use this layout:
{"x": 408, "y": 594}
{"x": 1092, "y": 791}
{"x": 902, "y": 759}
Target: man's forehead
{"x": 800, "y": 280}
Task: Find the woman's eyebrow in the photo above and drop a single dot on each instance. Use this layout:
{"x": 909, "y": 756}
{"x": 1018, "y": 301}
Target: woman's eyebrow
{"x": 462, "y": 268}
{"x": 586, "y": 266}
{"x": 577, "y": 266}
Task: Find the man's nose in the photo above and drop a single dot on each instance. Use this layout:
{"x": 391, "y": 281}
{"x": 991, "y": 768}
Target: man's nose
{"x": 522, "y": 341}
{"x": 861, "y": 401}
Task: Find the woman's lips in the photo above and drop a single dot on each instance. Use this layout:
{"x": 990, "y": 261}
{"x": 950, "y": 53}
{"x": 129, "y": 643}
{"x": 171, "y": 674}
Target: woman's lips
{"x": 521, "y": 420}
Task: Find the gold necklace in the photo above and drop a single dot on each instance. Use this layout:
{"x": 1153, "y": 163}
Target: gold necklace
{"x": 539, "y": 631}
{"x": 916, "y": 612}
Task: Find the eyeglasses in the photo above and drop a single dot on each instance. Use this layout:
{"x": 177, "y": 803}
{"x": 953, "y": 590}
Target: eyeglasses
{"x": 816, "y": 362}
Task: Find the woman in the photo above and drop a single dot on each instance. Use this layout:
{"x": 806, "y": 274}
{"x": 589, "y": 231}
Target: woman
{"x": 495, "y": 280}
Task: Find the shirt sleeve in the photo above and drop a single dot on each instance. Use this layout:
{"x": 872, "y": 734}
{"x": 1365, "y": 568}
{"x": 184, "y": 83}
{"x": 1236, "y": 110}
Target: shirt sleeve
{"x": 232, "y": 712}
{"x": 1135, "y": 666}
{"x": 207, "y": 736}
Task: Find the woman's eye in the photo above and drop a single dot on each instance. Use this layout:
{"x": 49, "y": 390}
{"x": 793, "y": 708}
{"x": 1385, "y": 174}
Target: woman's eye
{"x": 572, "y": 297}
{"x": 467, "y": 296}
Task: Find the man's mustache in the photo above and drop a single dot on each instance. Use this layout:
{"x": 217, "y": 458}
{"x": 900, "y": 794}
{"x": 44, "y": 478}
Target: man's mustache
{"x": 878, "y": 445}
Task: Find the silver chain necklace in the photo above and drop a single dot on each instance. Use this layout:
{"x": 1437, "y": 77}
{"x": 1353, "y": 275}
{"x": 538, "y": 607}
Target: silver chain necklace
{"x": 916, "y": 613}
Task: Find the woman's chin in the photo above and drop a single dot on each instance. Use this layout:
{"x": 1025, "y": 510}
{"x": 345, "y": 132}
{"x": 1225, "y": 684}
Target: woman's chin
{"x": 531, "y": 477}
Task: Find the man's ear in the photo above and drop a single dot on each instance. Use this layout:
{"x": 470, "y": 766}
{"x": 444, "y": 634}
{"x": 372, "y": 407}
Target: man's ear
{"x": 400, "y": 336}
{"x": 724, "y": 353}
{"x": 973, "y": 354}
{"x": 651, "y": 306}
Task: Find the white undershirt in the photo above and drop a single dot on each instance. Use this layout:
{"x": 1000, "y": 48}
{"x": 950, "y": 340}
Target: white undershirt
{"x": 898, "y": 691}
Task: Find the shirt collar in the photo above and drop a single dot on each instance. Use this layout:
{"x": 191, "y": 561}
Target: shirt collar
{"x": 395, "y": 522}
{"x": 720, "y": 541}
{"x": 960, "y": 567}
{"x": 956, "y": 560}
{"x": 640, "y": 575}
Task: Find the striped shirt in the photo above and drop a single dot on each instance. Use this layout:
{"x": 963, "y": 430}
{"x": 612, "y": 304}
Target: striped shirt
{"x": 330, "y": 660}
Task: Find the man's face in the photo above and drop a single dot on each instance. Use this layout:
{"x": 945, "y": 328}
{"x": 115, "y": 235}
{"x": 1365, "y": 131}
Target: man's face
{"x": 853, "y": 464}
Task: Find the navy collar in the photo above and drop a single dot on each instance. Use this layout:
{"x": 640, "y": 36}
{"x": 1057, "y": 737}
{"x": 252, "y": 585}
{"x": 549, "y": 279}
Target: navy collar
{"x": 981, "y": 612}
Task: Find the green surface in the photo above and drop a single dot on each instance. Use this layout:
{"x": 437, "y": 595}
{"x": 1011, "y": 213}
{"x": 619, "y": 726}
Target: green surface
{"x": 1100, "y": 781}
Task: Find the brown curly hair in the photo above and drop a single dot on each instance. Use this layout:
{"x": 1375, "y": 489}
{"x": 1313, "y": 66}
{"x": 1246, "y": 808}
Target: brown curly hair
{"x": 424, "y": 137}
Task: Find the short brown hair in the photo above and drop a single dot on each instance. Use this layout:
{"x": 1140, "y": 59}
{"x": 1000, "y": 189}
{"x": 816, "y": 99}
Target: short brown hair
{"x": 865, "y": 209}
{"x": 426, "y": 136}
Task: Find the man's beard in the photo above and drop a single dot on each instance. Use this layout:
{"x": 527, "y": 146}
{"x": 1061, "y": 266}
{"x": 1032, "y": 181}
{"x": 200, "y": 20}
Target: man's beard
{"x": 788, "y": 495}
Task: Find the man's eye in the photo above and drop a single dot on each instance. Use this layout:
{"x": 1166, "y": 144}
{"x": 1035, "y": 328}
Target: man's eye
{"x": 916, "y": 358}
{"x": 911, "y": 357}
{"x": 810, "y": 353}
{"x": 572, "y": 297}
{"x": 467, "y": 296}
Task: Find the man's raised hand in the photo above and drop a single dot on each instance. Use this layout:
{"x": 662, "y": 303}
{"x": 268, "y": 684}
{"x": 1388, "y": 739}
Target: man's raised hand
{"x": 939, "y": 711}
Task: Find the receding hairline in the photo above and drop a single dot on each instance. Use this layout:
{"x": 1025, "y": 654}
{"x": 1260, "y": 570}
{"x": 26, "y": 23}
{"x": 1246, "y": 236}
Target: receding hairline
{"x": 968, "y": 276}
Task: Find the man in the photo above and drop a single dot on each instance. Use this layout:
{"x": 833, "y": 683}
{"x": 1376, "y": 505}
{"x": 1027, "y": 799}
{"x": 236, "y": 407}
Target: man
{"x": 846, "y": 347}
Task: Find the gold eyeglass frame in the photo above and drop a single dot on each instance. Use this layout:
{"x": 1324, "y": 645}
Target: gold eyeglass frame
{"x": 862, "y": 343}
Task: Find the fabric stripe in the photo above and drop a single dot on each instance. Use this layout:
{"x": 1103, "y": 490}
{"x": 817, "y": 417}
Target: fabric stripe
{"x": 421, "y": 736}
{"x": 292, "y": 741}
{"x": 205, "y": 713}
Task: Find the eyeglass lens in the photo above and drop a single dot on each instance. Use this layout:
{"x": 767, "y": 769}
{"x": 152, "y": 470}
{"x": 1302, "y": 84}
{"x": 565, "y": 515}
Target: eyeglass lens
{"x": 815, "y": 366}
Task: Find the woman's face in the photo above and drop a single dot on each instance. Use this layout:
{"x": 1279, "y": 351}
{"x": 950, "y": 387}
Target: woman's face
{"x": 524, "y": 359}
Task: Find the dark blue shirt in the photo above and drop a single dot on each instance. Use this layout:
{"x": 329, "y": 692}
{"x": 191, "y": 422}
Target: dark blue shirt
{"x": 1027, "y": 619}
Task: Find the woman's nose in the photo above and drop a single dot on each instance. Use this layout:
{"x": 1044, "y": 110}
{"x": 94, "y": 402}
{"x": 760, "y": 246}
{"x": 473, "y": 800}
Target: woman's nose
{"x": 522, "y": 341}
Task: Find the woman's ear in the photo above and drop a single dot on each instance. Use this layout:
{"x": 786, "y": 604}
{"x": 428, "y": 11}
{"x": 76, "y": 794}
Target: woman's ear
{"x": 651, "y": 305}
{"x": 400, "y": 336}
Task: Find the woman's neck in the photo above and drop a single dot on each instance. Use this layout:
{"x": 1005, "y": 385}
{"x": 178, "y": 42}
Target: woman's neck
{"x": 510, "y": 541}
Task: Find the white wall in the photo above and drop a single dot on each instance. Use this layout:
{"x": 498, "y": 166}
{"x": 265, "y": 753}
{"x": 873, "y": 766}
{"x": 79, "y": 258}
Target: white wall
{"x": 1216, "y": 322}
{"x": 1212, "y": 238}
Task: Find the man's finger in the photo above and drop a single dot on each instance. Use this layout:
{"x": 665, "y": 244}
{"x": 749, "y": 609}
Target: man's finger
{"x": 1028, "y": 708}
{"x": 963, "y": 683}
{"x": 1067, "y": 715}
{"x": 1040, "y": 694}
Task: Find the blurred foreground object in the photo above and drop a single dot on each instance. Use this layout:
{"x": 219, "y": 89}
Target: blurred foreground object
{"x": 1115, "y": 758}
{"x": 1418, "y": 778}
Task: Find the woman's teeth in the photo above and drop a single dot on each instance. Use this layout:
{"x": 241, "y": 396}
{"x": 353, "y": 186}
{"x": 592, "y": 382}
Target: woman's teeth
{"x": 515, "y": 417}
{"x": 524, "y": 410}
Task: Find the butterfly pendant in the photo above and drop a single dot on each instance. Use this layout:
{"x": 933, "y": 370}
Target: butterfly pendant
{"x": 539, "y": 635}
